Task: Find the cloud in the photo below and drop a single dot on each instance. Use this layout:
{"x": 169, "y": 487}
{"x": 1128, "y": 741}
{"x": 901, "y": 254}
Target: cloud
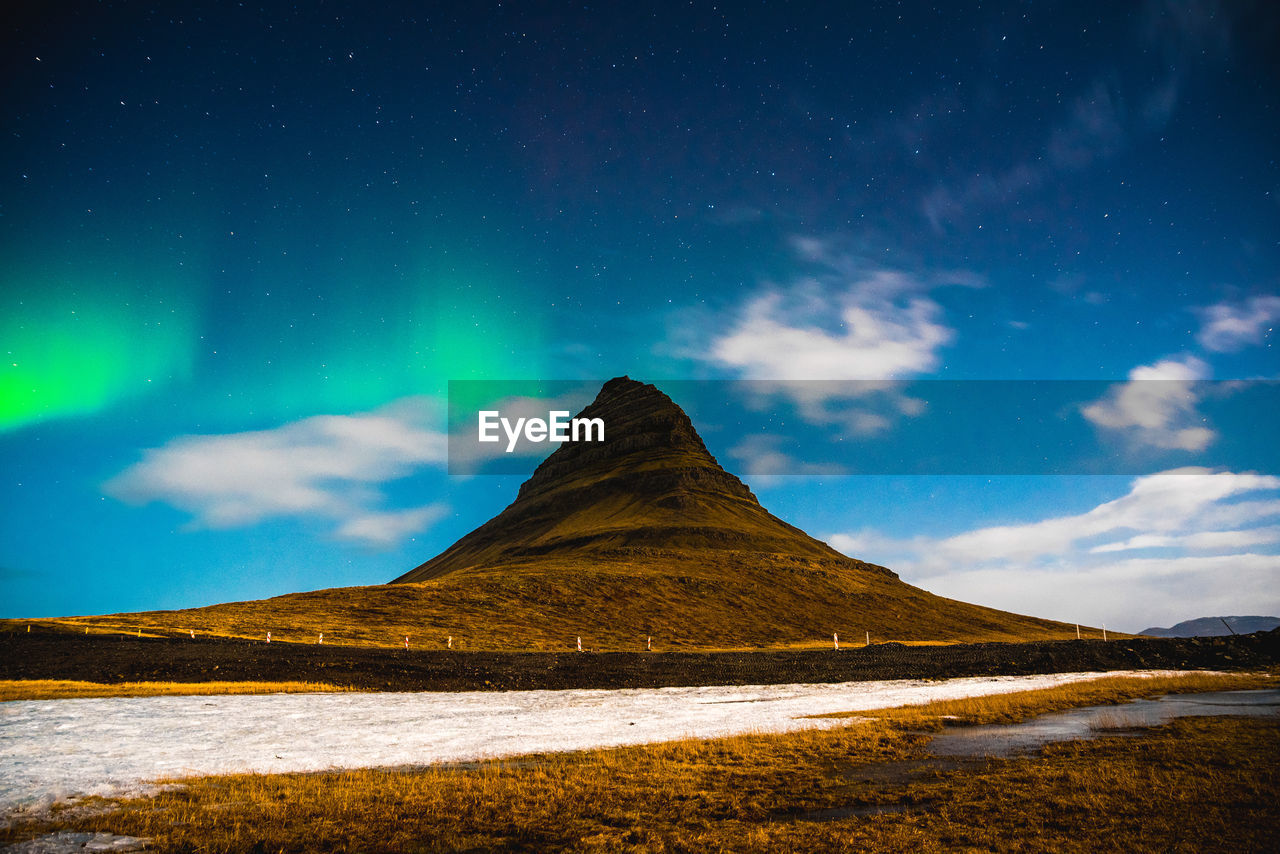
{"x": 326, "y": 466}
{"x": 847, "y": 321}
{"x": 842, "y": 333}
{"x": 1182, "y": 543}
{"x": 762, "y": 458}
{"x": 1097, "y": 127}
{"x": 1157, "y": 406}
{"x": 1127, "y": 595}
{"x": 390, "y": 527}
{"x": 1175, "y": 501}
{"x": 784, "y": 334}
{"x": 1183, "y": 30}
{"x": 1229, "y": 328}
{"x": 1202, "y": 541}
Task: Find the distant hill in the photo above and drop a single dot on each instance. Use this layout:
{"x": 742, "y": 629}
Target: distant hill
{"x": 641, "y": 535}
{"x": 1213, "y": 627}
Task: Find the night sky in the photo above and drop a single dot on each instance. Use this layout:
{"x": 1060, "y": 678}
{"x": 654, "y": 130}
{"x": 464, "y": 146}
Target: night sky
{"x": 245, "y": 248}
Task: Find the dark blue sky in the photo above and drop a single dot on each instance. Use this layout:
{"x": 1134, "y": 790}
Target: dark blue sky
{"x": 237, "y": 240}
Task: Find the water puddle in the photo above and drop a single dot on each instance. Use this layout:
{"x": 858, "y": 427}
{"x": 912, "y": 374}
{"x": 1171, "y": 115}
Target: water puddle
{"x": 1093, "y": 721}
{"x": 968, "y": 747}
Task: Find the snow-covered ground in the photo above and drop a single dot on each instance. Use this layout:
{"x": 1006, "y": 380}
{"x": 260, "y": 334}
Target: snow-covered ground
{"x": 53, "y": 749}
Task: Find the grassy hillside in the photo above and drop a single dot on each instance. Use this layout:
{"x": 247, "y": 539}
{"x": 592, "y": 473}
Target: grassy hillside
{"x": 721, "y": 600}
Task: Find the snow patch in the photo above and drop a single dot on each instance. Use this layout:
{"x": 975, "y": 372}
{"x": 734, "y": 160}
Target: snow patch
{"x": 51, "y": 750}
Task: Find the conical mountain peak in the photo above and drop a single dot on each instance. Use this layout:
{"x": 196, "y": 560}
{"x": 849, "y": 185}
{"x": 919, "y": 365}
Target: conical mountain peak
{"x": 651, "y": 484}
{"x": 645, "y": 431}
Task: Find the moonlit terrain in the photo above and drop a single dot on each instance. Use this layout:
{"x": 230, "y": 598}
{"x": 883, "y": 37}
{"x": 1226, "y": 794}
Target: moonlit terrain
{"x": 246, "y": 250}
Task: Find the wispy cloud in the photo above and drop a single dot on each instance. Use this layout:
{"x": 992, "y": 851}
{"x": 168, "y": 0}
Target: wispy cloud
{"x": 1157, "y": 407}
{"x": 881, "y": 330}
{"x": 1182, "y": 543}
{"x": 1200, "y": 541}
{"x": 1230, "y": 327}
{"x": 763, "y": 457}
{"x": 845, "y": 321}
{"x": 326, "y": 467}
{"x": 1107, "y": 117}
{"x": 1099, "y": 124}
{"x": 388, "y": 528}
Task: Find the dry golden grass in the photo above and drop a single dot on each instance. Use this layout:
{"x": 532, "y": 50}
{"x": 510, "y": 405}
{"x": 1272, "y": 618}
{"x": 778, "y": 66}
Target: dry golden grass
{"x": 1196, "y": 785}
{"x": 722, "y": 600}
{"x": 1202, "y": 785}
{"x": 60, "y": 689}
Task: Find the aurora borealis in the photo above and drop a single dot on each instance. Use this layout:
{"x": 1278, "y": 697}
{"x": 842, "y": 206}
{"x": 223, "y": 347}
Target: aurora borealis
{"x": 245, "y": 248}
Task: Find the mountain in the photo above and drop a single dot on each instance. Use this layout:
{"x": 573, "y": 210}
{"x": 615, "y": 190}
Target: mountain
{"x": 1214, "y": 627}
{"x": 650, "y": 485}
{"x": 641, "y": 535}
{"x": 646, "y": 534}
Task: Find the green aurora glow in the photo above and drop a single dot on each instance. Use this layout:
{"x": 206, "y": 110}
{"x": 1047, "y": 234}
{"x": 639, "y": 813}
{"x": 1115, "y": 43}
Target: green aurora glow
{"x": 83, "y": 336}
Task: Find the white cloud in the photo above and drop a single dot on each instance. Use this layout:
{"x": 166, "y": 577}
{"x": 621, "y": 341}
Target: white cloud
{"x": 1157, "y": 406}
{"x": 327, "y": 466}
{"x": 834, "y": 342}
{"x": 878, "y": 327}
{"x": 1127, "y": 595}
{"x": 1228, "y": 328}
{"x": 1209, "y": 539}
{"x": 870, "y": 542}
{"x": 1202, "y": 541}
{"x": 1170, "y": 502}
{"x": 390, "y": 527}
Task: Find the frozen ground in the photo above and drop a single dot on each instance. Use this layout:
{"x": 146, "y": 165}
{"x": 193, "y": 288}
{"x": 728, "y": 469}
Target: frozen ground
{"x": 54, "y": 749}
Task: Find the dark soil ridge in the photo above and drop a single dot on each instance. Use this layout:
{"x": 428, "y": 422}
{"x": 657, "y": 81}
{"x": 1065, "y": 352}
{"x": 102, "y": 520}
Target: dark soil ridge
{"x": 124, "y": 658}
